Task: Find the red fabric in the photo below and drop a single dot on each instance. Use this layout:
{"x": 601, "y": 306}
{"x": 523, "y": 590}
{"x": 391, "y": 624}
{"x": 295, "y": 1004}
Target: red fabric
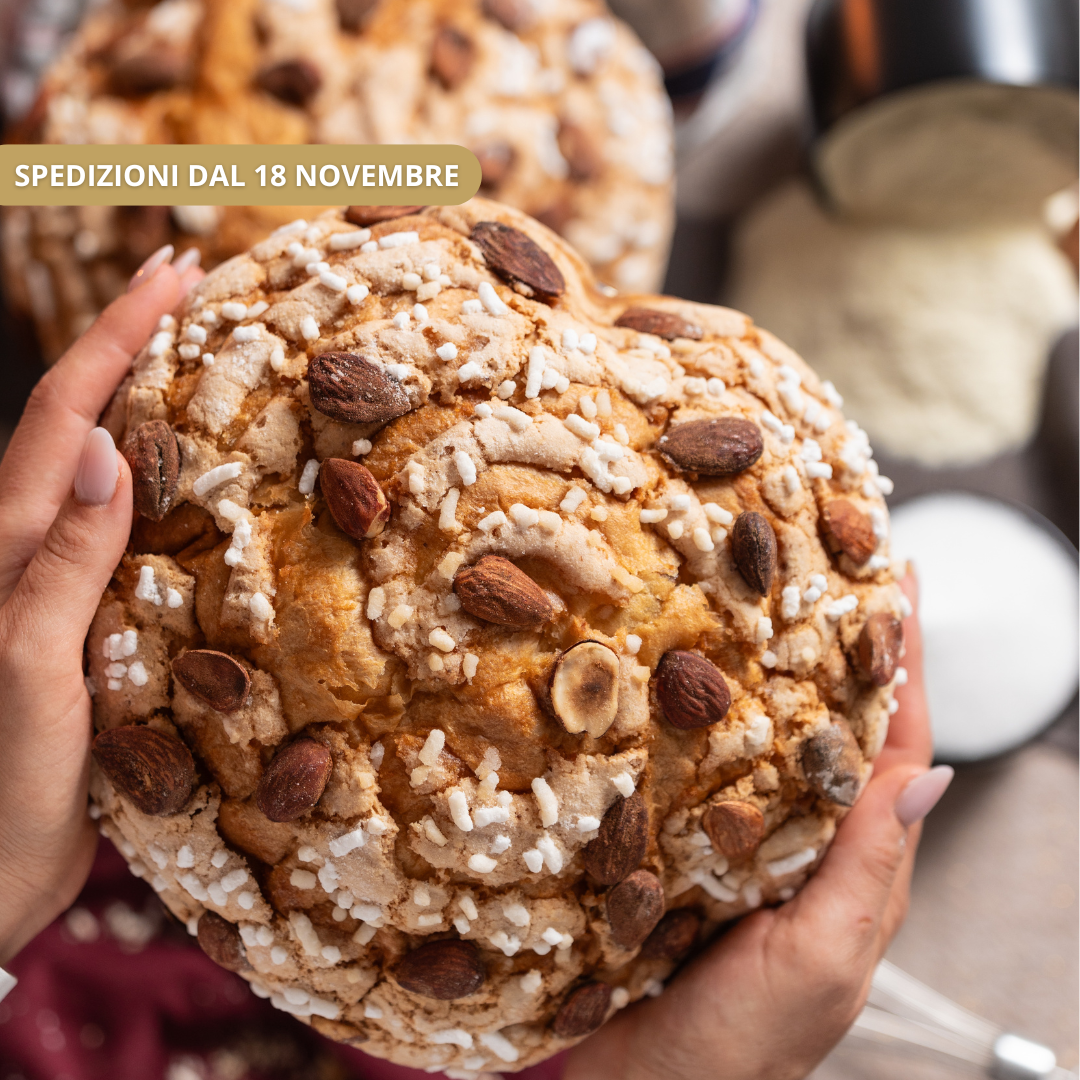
{"x": 115, "y": 991}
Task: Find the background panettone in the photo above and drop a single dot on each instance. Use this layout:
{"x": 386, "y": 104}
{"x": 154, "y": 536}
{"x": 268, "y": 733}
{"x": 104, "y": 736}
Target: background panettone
{"x": 562, "y": 105}
{"x": 475, "y": 657}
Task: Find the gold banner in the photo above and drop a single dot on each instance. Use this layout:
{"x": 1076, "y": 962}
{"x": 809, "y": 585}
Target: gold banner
{"x": 441, "y": 175}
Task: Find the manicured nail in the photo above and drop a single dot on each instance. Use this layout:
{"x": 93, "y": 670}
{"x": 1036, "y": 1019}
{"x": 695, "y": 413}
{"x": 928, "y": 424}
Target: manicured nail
{"x": 921, "y": 794}
{"x": 191, "y": 257}
{"x": 98, "y": 474}
{"x": 146, "y": 271}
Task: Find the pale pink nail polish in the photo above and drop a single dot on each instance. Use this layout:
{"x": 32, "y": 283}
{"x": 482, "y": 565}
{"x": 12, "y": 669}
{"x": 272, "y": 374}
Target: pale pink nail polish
{"x": 191, "y": 257}
{"x": 922, "y": 794}
{"x": 98, "y": 474}
{"x": 146, "y": 271}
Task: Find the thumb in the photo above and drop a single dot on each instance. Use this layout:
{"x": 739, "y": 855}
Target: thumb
{"x": 58, "y": 593}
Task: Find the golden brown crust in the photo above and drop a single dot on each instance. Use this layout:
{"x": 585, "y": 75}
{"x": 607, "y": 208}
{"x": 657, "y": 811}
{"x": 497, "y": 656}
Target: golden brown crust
{"x": 459, "y": 803}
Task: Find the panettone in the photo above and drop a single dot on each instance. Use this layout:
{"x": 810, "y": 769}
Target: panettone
{"x": 484, "y": 641}
{"x": 562, "y": 105}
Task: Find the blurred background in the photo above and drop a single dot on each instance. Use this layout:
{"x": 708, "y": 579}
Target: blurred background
{"x": 890, "y": 186}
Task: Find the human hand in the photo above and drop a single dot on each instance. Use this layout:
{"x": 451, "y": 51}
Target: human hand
{"x": 59, "y": 545}
{"x": 777, "y": 991}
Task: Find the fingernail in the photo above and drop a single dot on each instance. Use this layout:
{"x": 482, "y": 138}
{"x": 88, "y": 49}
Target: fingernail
{"x": 97, "y": 475}
{"x": 191, "y": 257}
{"x": 146, "y": 271}
{"x": 922, "y": 794}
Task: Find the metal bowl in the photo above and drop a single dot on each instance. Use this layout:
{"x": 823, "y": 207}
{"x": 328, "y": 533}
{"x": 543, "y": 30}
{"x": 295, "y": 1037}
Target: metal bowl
{"x": 858, "y": 50}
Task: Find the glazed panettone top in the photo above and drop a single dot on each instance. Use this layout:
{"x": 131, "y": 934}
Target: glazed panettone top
{"x": 562, "y": 105}
{"x": 484, "y": 641}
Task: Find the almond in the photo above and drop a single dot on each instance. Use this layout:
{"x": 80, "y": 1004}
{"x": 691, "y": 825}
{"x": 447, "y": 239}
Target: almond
{"x": 147, "y": 71}
{"x": 452, "y": 57}
{"x": 674, "y": 935}
{"x": 583, "y": 1011}
{"x": 220, "y": 940}
{"x": 448, "y": 969}
{"x": 353, "y": 14}
{"x": 734, "y": 827}
{"x": 372, "y": 215}
{"x": 846, "y": 528}
{"x": 577, "y": 146}
{"x": 295, "y": 780}
{"x": 349, "y": 388}
{"x": 295, "y": 82}
{"x": 585, "y": 688}
{"x": 354, "y": 498}
{"x": 153, "y": 455}
{"x": 214, "y": 677}
{"x": 719, "y": 447}
{"x": 621, "y": 842}
{"x": 151, "y": 769}
{"x": 518, "y": 259}
{"x": 753, "y": 547}
{"x": 495, "y": 159}
{"x": 512, "y": 15}
{"x": 692, "y": 693}
{"x": 634, "y": 907}
{"x": 881, "y": 644}
{"x": 832, "y": 762}
{"x": 495, "y": 590}
{"x": 663, "y": 324}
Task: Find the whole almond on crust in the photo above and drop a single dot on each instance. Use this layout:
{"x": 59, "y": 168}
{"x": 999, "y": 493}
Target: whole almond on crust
{"x": 448, "y": 969}
{"x": 347, "y": 387}
{"x": 634, "y": 907}
{"x": 353, "y": 14}
{"x": 584, "y": 688}
{"x": 365, "y": 216}
{"x": 584, "y": 1010}
{"x": 295, "y": 780}
{"x": 220, "y": 940}
{"x": 735, "y": 828}
{"x": 518, "y": 259}
{"x": 214, "y": 677}
{"x": 621, "y": 842}
{"x": 720, "y": 447}
{"x": 294, "y": 82}
{"x": 147, "y": 71}
{"x": 663, "y": 324}
{"x": 881, "y": 642}
{"x": 495, "y": 590}
{"x": 577, "y": 146}
{"x": 832, "y": 762}
{"x": 153, "y": 455}
{"x": 753, "y": 547}
{"x": 354, "y": 498}
{"x": 452, "y": 57}
{"x": 846, "y": 528}
{"x": 692, "y": 693}
{"x": 674, "y": 935}
{"x": 512, "y": 15}
{"x": 151, "y": 769}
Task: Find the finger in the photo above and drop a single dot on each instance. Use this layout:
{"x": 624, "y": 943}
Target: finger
{"x": 52, "y": 606}
{"x": 844, "y": 903}
{"x": 36, "y": 470}
{"x": 910, "y": 739}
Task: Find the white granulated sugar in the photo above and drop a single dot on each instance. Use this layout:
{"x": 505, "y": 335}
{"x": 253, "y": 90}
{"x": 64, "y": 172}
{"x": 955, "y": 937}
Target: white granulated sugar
{"x": 309, "y": 328}
{"x": 189, "y": 351}
{"x": 356, "y": 294}
{"x": 937, "y": 337}
{"x": 971, "y": 628}
{"x": 447, "y": 351}
{"x": 493, "y": 305}
{"x": 147, "y": 589}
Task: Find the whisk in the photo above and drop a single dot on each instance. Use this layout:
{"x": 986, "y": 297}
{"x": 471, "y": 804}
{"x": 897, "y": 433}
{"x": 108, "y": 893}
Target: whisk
{"x": 903, "y": 1011}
